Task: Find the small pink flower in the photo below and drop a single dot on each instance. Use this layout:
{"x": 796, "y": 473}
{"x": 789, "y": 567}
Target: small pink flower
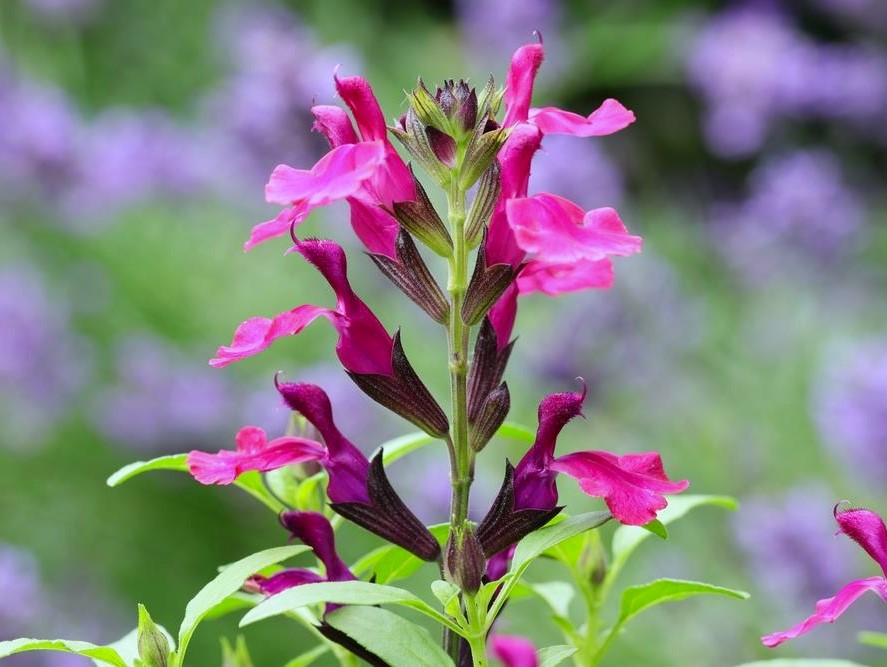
{"x": 364, "y": 346}
{"x": 339, "y": 174}
{"x": 514, "y": 651}
{"x": 254, "y": 452}
{"x": 391, "y": 182}
{"x": 633, "y": 486}
{"x": 867, "y": 529}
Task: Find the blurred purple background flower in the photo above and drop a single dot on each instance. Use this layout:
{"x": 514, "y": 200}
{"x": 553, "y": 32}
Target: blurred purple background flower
{"x": 494, "y": 29}
{"x": 849, "y": 407}
{"x": 43, "y": 363}
{"x": 260, "y": 115}
{"x": 164, "y": 401}
{"x": 64, "y": 12}
{"x": 752, "y": 66}
{"x": 646, "y": 322}
{"x": 799, "y": 206}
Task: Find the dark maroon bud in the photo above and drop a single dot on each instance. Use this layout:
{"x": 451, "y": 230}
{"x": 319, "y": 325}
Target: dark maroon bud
{"x": 388, "y": 516}
{"x": 464, "y": 561}
{"x": 487, "y": 367}
{"x": 503, "y": 525}
{"x": 492, "y": 414}
{"x": 410, "y": 275}
{"x": 486, "y": 286}
{"x": 466, "y": 115}
{"x": 488, "y": 190}
{"x": 421, "y": 220}
{"x": 404, "y": 393}
{"x": 442, "y": 145}
{"x": 447, "y": 101}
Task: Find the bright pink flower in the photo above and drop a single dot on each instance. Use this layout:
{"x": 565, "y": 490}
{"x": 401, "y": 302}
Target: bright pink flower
{"x": 867, "y": 529}
{"x": 254, "y": 452}
{"x": 337, "y": 175}
{"x": 391, "y": 182}
{"x": 346, "y": 465}
{"x": 608, "y": 118}
{"x": 514, "y": 651}
{"x": 557, "y": 231}
{"x": 364, "y": 346}
{"x": 633, "y": 486}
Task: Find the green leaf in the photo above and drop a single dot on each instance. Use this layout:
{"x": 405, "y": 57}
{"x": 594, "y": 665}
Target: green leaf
{"x": 227, "y": 582}
{"x": 397, "y": 448}
{"x": 172, "y": 462}
{"x": 103, "y": 654}
{"x": 308, "y": 657}
{"x": 251, "y": 481}
{"x": 627, "y": 538}
{"x": 392, "y": 563}
{"x": 556, "y": 594}
{"x": 534, "y": 544}
{"x": 801, "y": 662}
{"x": 342, "y": 592}
{"x": 876, "y": 639}
{"x": 395, "y": 640}
{"x": 516, "y": 431}
{"x": 657, "y": 528}
{"x": 636, "y": 599}
{"x": 537, "y": 543}
{"x": 554, "y": 655}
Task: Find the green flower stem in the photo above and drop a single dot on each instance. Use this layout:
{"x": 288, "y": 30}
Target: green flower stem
{"x": 477, "y": 627}
{"x": 458, "y": 337}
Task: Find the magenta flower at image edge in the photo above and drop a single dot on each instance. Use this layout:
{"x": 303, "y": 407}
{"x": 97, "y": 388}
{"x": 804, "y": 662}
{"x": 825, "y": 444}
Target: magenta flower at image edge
{"x": 867, "y": 529}
{"x": 514, "y": 651}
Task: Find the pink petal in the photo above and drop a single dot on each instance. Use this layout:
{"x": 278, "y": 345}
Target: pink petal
{"x": 608, "y": 118}
{"x": 257, "y": 333}
{"x": 375, "y": 228}
{"x": 514, "y": 651}
{"x": 631, "y": 485}
{"x": 554, "y": 279}
{"x": 358, "y": 95}
{"x": 828, "y": 610}
{"x": 285, "y": 220}
{"x": 333, "y": 122}
{"x": 503, "y": 314}
{"x": 254, "y": 452}
{"x": 519, "y": 82}
{"x": 364, "y": 345}
{"x": 515, "y": 158}
{"x": 338, "y": 174}
{"x": 867, "y": 529}
{"x": 559, "y": 232}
